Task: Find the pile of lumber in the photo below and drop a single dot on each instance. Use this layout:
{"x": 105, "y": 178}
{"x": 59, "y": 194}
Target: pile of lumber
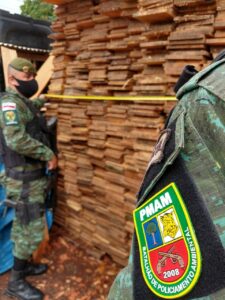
{"x": 187, "y": 43}
{"x": 116, "y": 48}
{"x": 104, "y": 150}
{"x": 157, "y": 16}
{"x": 153, "y": 11}
{"x": 217, "y": 42}
{"x": 115, "y": 52}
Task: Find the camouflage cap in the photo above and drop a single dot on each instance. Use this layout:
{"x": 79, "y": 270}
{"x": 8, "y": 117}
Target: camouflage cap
{"x": 22, "y": 65}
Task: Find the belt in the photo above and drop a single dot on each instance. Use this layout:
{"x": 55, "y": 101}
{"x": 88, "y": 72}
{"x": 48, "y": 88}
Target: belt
{"x": 26, "y": 176}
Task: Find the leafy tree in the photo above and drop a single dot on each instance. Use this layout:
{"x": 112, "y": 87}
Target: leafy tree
{"x": 38, "y": 10}
{"x": 151, "y": 229}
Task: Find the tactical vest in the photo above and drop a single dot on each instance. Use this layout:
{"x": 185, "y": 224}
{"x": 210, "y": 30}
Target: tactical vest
{"x": 37, "y": 128}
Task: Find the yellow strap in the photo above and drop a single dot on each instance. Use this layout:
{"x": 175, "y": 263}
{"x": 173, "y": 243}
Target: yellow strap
{"x": 112, "y": 98}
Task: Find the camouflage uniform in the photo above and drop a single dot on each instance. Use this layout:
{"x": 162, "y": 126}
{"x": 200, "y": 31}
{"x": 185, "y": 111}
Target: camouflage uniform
{"x": 202, "y": 104}
{"x": 14, "y": 116}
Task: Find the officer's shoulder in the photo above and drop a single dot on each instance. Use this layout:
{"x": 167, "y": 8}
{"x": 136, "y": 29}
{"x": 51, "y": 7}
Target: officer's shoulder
{"x": 10, "y": 102}
{"x": 213, "y": 82}
{"x": 211, "y": 79}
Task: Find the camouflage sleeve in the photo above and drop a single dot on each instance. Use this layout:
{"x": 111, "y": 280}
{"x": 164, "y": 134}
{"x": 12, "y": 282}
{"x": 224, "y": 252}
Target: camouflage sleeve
{"x": 122, "y": 287}
{"x": 38, "y": 103}
{"x": 13, "y": 121}
{"x": 209, "y": 120}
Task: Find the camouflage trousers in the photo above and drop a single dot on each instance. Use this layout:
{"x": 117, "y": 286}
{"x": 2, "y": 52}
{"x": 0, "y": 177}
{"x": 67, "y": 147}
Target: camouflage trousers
{"x": 26, "y": 238}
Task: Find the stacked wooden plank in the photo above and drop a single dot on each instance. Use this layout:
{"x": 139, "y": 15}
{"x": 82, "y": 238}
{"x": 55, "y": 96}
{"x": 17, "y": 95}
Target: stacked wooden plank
{"x": 119, "y": 71}
{"x": 92, "y": 37}
{"x": 217, "y": 43}
{"x": 187, "y": 43}
{"x": 61, "y": 60}
{"x": 104, "y": 149}
{"x": 120, "y": 47}
{"x": 157, "y": 16}
{"x": 157, "y": 11}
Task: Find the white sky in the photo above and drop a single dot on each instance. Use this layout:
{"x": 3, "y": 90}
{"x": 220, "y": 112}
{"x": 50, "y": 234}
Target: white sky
{"x": 13, "y": 6}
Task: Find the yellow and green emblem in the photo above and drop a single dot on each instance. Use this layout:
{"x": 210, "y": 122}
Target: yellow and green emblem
{"x": 169, "y": 252}
{"x": 10, "y": 117}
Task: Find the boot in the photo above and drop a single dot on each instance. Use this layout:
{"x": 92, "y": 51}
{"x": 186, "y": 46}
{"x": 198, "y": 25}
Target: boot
{"x": 35, "y": 269}
{"x": 19, "y": 288}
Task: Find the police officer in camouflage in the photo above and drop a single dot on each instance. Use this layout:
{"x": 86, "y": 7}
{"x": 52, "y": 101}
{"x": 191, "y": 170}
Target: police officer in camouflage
{"x": 25, "y": 148}
{"x": 184, "y": 184}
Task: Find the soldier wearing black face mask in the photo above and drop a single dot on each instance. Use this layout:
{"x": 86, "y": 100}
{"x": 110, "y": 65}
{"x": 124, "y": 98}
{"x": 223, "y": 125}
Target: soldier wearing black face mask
{"x": 26, "y": 152}
{"x": 27, "y": 88}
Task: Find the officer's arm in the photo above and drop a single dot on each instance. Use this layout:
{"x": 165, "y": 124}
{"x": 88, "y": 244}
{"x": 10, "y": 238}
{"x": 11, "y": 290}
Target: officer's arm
{"x": 13, "y": 121}
{"x": 38, "y": 102}
{"x": 209, "y": 120}
{"x": 18, "y": 140}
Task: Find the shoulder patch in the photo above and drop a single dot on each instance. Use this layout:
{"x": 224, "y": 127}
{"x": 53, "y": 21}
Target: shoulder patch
{"x": 158, "y": 152}
{"x": 8, "y": 106}
{"x": 10, "y": 117}
{"x": 169, "y": 251}
{"x": 10, "y": 114}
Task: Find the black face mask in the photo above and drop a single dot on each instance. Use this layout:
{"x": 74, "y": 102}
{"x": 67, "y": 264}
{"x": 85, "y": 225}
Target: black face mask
{"x": 27, "y": 88}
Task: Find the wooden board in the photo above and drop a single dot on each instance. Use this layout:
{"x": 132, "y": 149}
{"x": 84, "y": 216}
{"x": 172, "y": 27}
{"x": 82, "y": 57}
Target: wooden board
{"x": 44, "y": 74}
{"x": 7, "y": 56}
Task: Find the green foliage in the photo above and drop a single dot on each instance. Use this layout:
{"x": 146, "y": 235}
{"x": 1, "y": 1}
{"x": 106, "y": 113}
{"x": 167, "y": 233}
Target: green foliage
{"x": 38, "y": 10}
{"x": 151, "y": 228}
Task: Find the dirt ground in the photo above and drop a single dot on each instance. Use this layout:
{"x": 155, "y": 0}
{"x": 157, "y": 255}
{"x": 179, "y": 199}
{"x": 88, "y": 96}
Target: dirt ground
{"x": 72, "y": 274}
